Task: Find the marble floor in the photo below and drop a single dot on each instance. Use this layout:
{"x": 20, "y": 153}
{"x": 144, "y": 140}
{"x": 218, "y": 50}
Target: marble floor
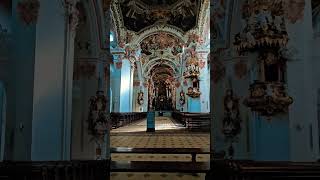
{"x": 169, "y": 134}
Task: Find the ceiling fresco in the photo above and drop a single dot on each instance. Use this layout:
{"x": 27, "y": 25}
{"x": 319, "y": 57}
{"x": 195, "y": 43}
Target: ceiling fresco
{"x": 140, "y": 14}
{"x": 161, "y": 41}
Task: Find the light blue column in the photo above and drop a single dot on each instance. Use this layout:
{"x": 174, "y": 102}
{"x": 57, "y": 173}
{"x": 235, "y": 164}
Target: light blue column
{"x": 115, "y": 83}
{"x": 125, "y": 87}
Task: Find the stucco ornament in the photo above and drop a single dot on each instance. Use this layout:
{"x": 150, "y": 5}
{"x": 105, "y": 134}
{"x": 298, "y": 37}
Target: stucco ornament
{"x": 72, "y": 14}
{"x": 268, "y": 99}
{"x": 231, "y": 121}
{"x": 231, "y": 125}
{"x": 29, "y": 11}
{"x": 140, "y": 99}
{"x": 294, "y": 10}
{"x": 97, "y": 116}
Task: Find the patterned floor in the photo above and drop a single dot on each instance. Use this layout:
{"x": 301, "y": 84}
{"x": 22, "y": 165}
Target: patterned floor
{"x": 169, "y": 134}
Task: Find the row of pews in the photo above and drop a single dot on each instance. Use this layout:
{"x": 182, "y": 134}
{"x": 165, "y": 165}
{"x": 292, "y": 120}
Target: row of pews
{"x": 100, "y": 170}
{"x": 55, "y": 170}
{"x": 263, "y": 170}
{"x": 193, "y": 121}
{"x": 123, "y": 119}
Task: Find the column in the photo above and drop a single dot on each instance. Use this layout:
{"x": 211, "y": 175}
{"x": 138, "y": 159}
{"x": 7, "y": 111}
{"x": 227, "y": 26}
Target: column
{"x": 53, "y": 70}
{"x": 125, "y": 90}
{"x": 303, "y": 125}
{"x": 20, "y": 88}
{"x": 204, "y": 81}
{"x": 115, "y": 82}
{"x": 132, "y": 69}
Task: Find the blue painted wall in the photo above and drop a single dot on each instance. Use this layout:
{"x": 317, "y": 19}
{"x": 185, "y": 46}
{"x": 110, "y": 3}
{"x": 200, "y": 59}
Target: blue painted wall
{"x": 270, "y": 139}
{"x": 194, "y": 104}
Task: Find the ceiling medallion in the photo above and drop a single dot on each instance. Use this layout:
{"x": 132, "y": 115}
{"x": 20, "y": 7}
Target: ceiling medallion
{"x": 268, "y": 98}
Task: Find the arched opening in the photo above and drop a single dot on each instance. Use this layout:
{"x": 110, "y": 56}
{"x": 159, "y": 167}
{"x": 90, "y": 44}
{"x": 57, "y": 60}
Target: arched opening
{"x": 168, "y": 54}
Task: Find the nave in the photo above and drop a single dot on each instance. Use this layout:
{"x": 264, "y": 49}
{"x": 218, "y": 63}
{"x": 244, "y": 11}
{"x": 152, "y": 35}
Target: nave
{"x": 83, "y": 82}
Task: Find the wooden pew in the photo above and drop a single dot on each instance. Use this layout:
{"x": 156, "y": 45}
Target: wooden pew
{"x": 197, "y": 121}
{"x": 55, "y": 170}
{"x": 257, "y": 170}
{"x": 193, "y": 121}
{"x": 156, "y": 166}
{"x": 123, "y": 119}
{"x": 192, "y": 151}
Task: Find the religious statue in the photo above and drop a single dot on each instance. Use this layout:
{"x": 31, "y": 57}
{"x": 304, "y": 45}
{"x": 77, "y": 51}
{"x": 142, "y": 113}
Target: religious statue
{"x": 231, "y": 122}
{"x": 140, "y": 98}
{"x": 182, "y": 98}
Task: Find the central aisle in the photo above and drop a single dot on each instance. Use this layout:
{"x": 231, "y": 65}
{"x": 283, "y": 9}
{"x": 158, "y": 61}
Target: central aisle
{"x": 161, "y": 124}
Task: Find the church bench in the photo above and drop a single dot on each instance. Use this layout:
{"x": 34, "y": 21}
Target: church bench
{"x": 158, "y": 166}
{"x": 122, "y": 119}
{"x": 259, "y": 170}
{"x": 197, "y": 121}
{"x": 55, "y": 170}
{"x": 192, "y": 151}
{"x": 193, "y": 121}
{"x": 179, "y": 117}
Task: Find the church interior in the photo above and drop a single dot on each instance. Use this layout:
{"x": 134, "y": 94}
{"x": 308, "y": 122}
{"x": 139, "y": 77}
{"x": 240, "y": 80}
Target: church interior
{"x": 159, "y": 89}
